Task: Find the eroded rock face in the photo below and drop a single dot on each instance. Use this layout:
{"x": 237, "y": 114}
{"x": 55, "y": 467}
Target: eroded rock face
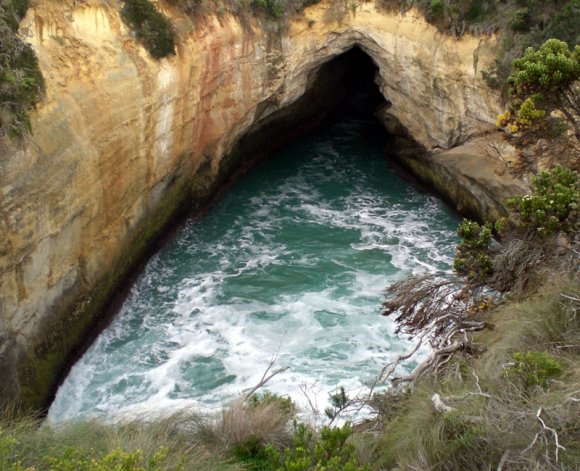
{"x": 121, "y": 142}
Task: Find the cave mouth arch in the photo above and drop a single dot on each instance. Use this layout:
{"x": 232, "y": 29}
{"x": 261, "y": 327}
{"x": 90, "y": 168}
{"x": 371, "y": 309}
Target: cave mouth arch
{"x": 345, "y": 83}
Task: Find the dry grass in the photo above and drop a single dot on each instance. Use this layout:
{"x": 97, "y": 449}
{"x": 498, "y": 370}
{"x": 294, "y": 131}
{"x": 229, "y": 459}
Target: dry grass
{"x": 492, "y": 420}
{"x": 264, "y": 422}
{"x": 187, "y": 440}
{"x": 33, "y": 444}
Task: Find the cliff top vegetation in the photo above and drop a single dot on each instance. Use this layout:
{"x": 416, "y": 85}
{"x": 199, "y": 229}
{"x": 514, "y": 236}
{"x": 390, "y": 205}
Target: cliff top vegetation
{"x": 21, "y": 82}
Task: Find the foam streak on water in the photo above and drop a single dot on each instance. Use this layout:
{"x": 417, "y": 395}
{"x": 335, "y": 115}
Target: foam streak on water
{"x": 294, "y": 259}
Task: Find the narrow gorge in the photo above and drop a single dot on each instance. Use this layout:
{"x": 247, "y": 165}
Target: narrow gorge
{"x": 124, "y": 145}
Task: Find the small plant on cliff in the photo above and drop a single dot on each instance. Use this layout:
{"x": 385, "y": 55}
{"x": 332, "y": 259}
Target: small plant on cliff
{"x": 331, "y": 451}
{"x": 21, "y": 82}
{"x": 274, "y": 8}
{"x": 551, "y": 208}
{"x": 535, "y": 368}
{"x": 472, "y": 258}
{"x": 436, "y": 8}
{"x": 520, "y": 21}
{"x": 553, "y": 205}
{"x": 152, "y": 28}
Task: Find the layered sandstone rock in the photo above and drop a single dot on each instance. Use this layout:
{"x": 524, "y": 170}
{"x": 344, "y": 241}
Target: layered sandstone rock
{"x": 121, "y": 142}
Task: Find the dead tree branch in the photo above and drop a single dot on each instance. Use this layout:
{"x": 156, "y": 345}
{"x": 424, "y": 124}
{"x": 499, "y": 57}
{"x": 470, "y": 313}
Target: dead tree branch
{"x": 267, "y": 377}
{"x": 441, "y": 308}
{"x": 542, "y": 434}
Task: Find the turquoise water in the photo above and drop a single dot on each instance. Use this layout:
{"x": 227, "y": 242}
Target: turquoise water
{"x": 294, "y": 260}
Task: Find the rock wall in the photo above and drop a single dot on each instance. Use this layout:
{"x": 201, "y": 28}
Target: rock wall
{"x": 121, "y": 143}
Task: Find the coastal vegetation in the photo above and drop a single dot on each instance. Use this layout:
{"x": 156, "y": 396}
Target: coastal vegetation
{"x": 543, "y": 80}
{"x": 21, "y": 82}
{"x": 151, "y": 27}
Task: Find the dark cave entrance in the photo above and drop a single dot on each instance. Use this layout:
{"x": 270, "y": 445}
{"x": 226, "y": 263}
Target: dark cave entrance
{"x": 358, "y": 93}
{"x": 343, "y": 85}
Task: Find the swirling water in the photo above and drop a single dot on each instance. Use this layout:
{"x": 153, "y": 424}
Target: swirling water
{"x": 294, "y": 260}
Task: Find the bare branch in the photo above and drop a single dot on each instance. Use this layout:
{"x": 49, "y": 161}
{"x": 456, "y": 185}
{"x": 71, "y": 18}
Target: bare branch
{"x": 389, "y": 368}
{"x": 542, "y": 435}
{"x": 267, "y": 377}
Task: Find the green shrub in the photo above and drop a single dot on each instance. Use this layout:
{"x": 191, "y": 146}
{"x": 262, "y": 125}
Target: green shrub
{"x": 436, "y": 8}
{"x": 528, "y": 113}
{"x": 553, "y": 205}
{"x": 274, "y": 8}
{"x": 284, "y": 404}
{"x": 68, "y": 458}
{"x": 117, "y": 460}
{"x": 530, "y": 24}
{"x": 550, "y": 67}
{"x": 472, "y": 258}
{"x": 564, "y": 24}
{"x": 339, "y": 402}
{"x": 253, "y": 454}
{"x": 21, "y": 82}
{"x": 152, "y": 28}
{"x": 521, "y": 20}
{"x": 543, "y": 75}
{"x": 475, "y": 12}
{"x": 330, "y": 452}
{"x": 535, "y": 368}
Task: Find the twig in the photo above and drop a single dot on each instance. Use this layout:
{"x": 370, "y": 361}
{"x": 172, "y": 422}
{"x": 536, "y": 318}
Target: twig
{"x": 267, "y": 377}
{"x": 428, "y": 364}
{"x": 479, "y": 391}
{"x": 542, "y": 434}
{"x": 558, "y": 446}
{"x": 389, "y": 368}
{"x": 503, "y": 460}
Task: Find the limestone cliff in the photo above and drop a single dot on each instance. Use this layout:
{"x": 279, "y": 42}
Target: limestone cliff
{"x": 122, "y": 142}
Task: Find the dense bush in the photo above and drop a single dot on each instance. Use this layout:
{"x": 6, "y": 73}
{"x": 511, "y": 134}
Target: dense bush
{"x": 535, "y": 368}
{"x": 543, "y": 76}
{"x": 329, "y": 452}
{"x": 544, "y": 70}
{"x": 521, "y": 20}
{"x": 21, "y": 82}
{"x": 436, "y": 8}
{"x": 472, "y": 258}
{"x": 530, "y": 26}
{"x": 552, "y": 208}
{"x": 152, "y": 28}
{"x": 553, "y": 205}
{"x": 274, "y": 8}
